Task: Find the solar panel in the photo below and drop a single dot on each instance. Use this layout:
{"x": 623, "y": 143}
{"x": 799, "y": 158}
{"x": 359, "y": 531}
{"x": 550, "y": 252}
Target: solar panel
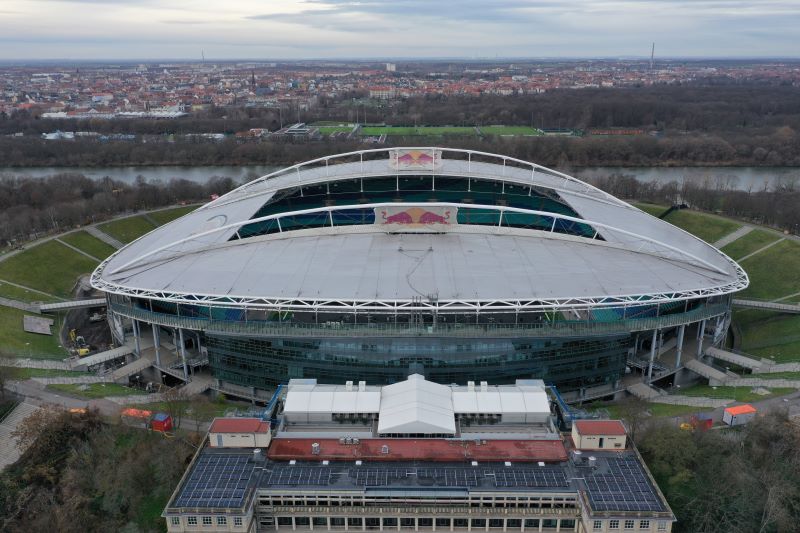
{"x": 217, "y": 480}
{"x": 300, "y": 475}
{"x": 625, "y": 487}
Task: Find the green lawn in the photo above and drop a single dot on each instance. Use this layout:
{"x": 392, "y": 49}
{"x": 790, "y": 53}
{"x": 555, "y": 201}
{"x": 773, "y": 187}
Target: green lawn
{"x": 409, "y": 131}
{"x": 127, "y": 229}
{"x": 218, "y": 408}
{"x": 669, "y": 410}
{"x": 704, "y": 225}
{"x": 95, "y": 390}
{"x": 769, "y": 334}
{"x": 778, "y": 375}
{"x": 50, "y": 267}
{"x": 327, "y": 130}
{"x": 653, "y": 209}
{"x": 27, "y": 373}
{"x": 89, "y": 244}
{"x": 18, "y": 343}
{"x": 23, "y": 295}
{"x": 749, "y": 243}
{"x": 510, "y": 130}
{"x": 168, "y": 215}
{"x": 739, "y": 394}
{"x": 775, "y": 272}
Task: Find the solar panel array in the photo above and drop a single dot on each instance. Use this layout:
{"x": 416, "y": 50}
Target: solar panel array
{"x": 300, "y": 475}
{"x": 449, "y": 477}
{"x": 217, "y": 480}
{"x": 377, "y": 477}
{"x": 541, "y": 477}
{"x": 625, "y": 487}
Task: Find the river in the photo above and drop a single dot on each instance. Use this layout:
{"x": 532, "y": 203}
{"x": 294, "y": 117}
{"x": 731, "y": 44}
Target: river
{"x": 743, "y": 178}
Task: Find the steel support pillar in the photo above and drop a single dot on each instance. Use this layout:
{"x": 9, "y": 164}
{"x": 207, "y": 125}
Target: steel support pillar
{"x": 137, "y": 347}
{"x": 157, "y": 344}
{"x": 679, "y": 348}
{"x": 183, "y": 355}
{"x": 700, "y": 339}
{"x": 653, "y": 344}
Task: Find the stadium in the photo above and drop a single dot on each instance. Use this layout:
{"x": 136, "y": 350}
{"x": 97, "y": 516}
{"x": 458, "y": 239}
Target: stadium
{"x": 454, "y": 264}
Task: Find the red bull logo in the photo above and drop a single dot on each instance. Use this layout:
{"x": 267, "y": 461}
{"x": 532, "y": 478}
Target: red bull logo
{"x": 415, "y": 159}
{"x": 413, "y": 216}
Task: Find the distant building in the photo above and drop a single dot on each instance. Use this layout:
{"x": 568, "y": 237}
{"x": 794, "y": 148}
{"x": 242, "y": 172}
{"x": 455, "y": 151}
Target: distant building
{"x": 239, "y": 433}
{"x": 391, "y": 67}
{"x": 416, "y": 456}
{"x": 599, "y": 435}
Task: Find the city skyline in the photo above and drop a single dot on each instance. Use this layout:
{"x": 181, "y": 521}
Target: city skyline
{"x": 337, "y": 29}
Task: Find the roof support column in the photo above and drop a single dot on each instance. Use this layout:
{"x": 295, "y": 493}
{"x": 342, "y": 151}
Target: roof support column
{"x": 183, "y": 355}
{"x": 653, "y": 344}
{"x": 157, "y": 344}
{"x": 700, "y": 338}
{"x": 137, "y": 347}
{"x": 679, "y": 348}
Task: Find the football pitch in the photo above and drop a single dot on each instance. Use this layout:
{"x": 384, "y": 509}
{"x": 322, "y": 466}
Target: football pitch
{"x": 464, "y": 131}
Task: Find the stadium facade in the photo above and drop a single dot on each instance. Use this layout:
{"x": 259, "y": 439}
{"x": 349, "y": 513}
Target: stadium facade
{"x": 454, "y": 264}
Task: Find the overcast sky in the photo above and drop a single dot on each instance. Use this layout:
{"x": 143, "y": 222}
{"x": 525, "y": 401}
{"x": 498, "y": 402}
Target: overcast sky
{"x": 311, "y": 29}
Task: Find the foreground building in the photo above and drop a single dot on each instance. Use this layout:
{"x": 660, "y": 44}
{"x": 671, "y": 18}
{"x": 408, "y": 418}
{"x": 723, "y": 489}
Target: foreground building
{"x": 457, "y": 265}
{"x": 420, "y": 456}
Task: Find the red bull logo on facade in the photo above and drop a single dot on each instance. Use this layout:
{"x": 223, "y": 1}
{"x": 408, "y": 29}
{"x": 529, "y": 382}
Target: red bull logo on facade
{"x": 416, "y": 218}
{"x": 415, "y": 159}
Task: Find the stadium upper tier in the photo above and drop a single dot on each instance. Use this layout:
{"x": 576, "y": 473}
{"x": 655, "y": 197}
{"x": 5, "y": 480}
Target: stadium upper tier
{"x": 408, "y": 229}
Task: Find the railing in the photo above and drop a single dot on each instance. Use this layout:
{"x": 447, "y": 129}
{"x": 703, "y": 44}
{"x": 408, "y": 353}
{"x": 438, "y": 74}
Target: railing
{"x": 567, "y": 328}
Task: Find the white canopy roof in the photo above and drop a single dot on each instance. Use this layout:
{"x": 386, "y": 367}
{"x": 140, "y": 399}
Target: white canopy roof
{"x": 416, "y": 406}
{"x": 503, "y": 399}
{"x": 306, "y": 396}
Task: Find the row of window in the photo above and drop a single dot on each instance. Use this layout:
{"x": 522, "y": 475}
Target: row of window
{"x": 238, "y": 521}
{"x": 628, "y": 524}
{"x": 565, "y": 524}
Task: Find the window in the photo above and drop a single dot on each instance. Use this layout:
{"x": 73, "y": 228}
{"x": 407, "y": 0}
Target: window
{"x": 598, "y": 525}
{"x": 284, "y": 520}
{"x": 629, "y": 524}
{"x": 176, "y": 521}
{"x": 354, "y": 522}
{"x": 567, "y": 523}
{"x": 513, "y": 523}
{"x": 662, "y": 526}
{"x": 478, "y": 523}
{"x": 644, "y": 524}
{"x": 222, "y": 521}
{"x": 613, "y": 524}
{"x": 206, "y": 520}
{"x": 531, "y": 522}
{"x": 443, "y": 522}
{"x": 320, "y": 520}
{"x": 191, "y": 521}
{"x": 237, "y": 521}
{"x": 496, "y": 522}
{"x": 389, "y": 522}
{"x": 302, "y": 520}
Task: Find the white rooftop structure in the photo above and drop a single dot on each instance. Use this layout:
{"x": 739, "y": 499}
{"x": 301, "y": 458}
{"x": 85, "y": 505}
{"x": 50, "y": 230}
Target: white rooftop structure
{"x": 416, "y": 406}
{"x": 307, "y": 401}
{"x": 632, "y": 258}
{"x": 524, "y": 402}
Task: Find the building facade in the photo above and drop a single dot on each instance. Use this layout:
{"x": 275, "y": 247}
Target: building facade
{"x": 454, "y": 264}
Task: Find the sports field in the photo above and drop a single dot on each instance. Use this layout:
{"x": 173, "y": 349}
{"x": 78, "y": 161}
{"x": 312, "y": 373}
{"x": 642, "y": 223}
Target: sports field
{"x": 411, "y": 131}
{"x": 510, "y": 130}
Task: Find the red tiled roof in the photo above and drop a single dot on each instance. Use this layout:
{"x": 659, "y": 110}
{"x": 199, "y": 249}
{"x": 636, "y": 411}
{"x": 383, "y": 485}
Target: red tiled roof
{"x": 420, "y": 450}
{"x": 239, "y": 425}
{"x": 600, "y": 427}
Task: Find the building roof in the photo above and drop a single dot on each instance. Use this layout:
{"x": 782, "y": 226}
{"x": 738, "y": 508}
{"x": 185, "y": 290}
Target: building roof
{"x": 504, "y": 399}
{"x": 239, "y": 425}
{"x": 741, "y": 409}
{"x": 467, "y": 263}
{"x": 600, "y": 427}
{"x": 438, "y": 450}
{"x": 304, "y": 396}
{"x": 416, "y": 406}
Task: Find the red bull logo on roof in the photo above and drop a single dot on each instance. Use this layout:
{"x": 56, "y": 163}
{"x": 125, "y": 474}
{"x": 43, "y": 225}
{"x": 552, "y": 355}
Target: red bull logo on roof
{"x": 416, "y": 218}
{"x": 405, "y": 159}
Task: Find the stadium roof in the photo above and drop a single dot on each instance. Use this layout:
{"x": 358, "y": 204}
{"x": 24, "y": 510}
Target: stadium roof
{"x": 465, "y": 267}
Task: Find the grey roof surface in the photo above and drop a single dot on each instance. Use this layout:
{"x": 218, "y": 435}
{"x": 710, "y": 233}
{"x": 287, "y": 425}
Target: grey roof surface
{"x": 363, "y": 263}
{"x": 617, "y": 483}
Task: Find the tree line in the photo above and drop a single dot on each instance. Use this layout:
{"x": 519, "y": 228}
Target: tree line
{"x": 729, "y": 481}
{"x": 30, "y": 207}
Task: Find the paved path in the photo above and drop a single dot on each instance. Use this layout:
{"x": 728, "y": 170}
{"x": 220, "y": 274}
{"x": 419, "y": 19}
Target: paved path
{"x": 779, "y": 367}
{"x": 16, "y": 304}
{"x": 643, "y": 391}
{"x": 729, "y": 238}
{"x": 35, "y": 363}
{"x": 68, "y": 245}
{"x": 694, "y": 401}
{"x": 772, "y": 306}
{"x": 735, "y": 358}
{"x": 70, "y": 380}
{"x": 770, "y": 245}
{"x": 760, "y": 382}
{"x": 105, "y": 237}
{"x": 9, "y": 448}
